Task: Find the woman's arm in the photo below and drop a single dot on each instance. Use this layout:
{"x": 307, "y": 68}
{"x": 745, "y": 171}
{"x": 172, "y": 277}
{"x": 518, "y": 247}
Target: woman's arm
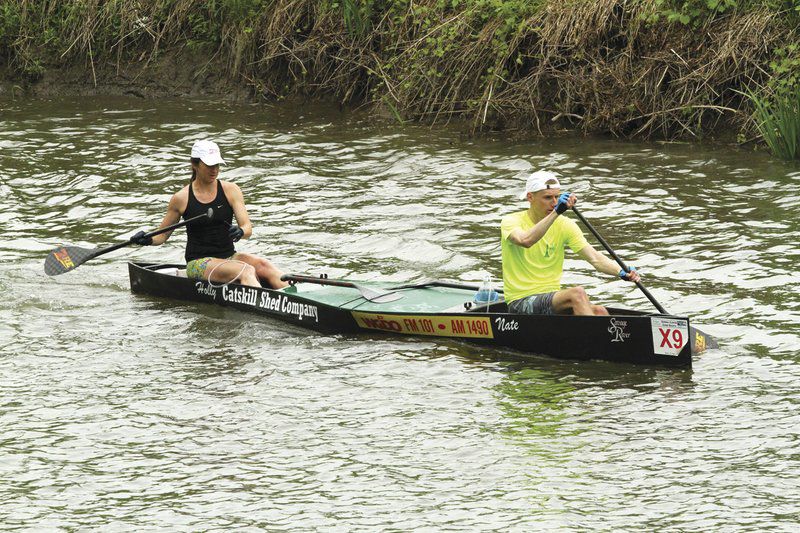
{"x": 177, "y": 205}
{"x": 236, "y": 199}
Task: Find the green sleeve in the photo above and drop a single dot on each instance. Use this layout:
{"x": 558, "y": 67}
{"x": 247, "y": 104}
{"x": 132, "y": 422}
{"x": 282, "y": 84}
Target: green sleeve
{"x": 574, "y": 236}
{"x": 509, "y": 224}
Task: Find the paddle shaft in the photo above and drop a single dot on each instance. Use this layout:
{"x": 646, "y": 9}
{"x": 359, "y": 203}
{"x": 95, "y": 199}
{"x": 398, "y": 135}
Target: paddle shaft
{"x": 374, "y": 295}
{"x": 318, "y": 281}
{"x": 447, "y": 284}
{"x": 340, "y": 283}
{"x": 151, "y": 234}
{"x": 619, "y": 261}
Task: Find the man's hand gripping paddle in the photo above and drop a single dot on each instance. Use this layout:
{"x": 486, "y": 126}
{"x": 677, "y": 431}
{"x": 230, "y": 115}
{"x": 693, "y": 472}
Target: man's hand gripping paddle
{"x": 619, "y": 261}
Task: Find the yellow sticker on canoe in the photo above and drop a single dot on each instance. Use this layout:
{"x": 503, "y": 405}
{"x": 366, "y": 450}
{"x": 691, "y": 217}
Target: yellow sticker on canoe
{"x": 699, "y": 342}
{"x": 440, "y": 326}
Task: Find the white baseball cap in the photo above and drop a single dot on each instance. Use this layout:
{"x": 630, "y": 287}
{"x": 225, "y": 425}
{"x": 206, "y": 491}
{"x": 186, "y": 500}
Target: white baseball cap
{"x": 538, "y": 182}
{"x": 207, "y": 152}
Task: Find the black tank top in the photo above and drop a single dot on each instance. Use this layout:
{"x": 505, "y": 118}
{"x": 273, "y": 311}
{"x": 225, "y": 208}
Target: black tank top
{"x": 209, "y": 238}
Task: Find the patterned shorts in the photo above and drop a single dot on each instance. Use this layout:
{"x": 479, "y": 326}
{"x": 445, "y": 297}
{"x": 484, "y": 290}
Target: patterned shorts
{"x": 535, "y": 304}
{"x": 196, "y": 268}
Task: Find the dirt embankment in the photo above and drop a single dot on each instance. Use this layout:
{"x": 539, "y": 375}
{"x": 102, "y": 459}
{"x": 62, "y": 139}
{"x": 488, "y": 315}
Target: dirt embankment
{"x": 173, "y": 74}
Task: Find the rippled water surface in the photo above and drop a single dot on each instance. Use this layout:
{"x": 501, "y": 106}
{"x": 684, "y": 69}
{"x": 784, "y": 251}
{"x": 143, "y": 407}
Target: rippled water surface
{"x": 134, "y": 413}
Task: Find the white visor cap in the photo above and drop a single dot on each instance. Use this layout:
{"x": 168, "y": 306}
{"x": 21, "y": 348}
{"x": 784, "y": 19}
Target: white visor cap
{"x": 207, "y": 152}
{"x": 538, "y": 182}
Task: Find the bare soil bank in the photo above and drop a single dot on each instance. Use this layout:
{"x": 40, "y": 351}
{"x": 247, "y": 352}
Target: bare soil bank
{"x": 171, "y": 75}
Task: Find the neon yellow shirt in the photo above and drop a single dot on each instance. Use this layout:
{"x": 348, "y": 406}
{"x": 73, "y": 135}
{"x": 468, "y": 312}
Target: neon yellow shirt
{"x": 537, "y": 269}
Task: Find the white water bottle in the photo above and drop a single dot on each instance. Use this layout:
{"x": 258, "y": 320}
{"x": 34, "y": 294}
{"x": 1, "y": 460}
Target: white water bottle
{"x": 486, "y": 293}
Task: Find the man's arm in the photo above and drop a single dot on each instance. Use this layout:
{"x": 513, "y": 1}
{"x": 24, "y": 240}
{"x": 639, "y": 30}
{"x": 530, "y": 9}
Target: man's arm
{"x": 605, "y": 265}
{"x": 530, "y": 237}
{"x": 527, "y": 238}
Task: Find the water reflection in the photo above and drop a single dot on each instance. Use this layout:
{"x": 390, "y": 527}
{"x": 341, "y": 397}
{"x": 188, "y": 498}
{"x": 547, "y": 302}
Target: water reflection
{"x": 536, "y": 398}
{"x": 534, "y": 403}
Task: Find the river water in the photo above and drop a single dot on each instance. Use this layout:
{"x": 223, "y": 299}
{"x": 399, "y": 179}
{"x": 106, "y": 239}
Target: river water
{"x": 127, "y": 412}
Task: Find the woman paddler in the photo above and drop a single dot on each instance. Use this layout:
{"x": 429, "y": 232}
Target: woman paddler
{"x": 210, "y": 254}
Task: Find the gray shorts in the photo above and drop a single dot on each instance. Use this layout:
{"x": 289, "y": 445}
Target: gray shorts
{"x": 535, "y": 304}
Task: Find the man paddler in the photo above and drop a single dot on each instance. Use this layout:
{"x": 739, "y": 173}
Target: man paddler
{"x": 533, "y": 245}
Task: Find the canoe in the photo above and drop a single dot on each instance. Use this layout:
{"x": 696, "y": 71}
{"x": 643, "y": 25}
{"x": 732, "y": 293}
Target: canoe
{"x": 441, "y": 309}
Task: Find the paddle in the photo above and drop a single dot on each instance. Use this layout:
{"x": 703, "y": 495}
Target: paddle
{"x": 371, "y": 295}
{"x": 620, "y": 262}
{"x": 66, "y": 258}
{"x": 437, "y": 283}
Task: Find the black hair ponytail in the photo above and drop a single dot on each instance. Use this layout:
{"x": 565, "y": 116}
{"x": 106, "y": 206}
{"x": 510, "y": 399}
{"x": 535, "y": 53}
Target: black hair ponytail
{"x": 195, "y": 161}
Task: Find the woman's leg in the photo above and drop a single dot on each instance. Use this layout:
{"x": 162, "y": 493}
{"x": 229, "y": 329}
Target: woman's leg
{"x": 223, "y": 271}
{"x": 264, "y": 270}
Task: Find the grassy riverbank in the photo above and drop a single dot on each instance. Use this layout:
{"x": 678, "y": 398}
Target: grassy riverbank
{"x": 640, "y": 68}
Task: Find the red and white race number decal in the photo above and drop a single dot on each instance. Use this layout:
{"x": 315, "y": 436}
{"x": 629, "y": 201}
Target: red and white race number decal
{"x": 670, "y": 335}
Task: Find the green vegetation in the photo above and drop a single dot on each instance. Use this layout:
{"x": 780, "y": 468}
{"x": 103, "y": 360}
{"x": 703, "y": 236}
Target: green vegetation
{"x": 778, "y": 122}
{"x": 666, "y": 68}
{"x": 777, "y": 106}
{"x": 700, "y": 12}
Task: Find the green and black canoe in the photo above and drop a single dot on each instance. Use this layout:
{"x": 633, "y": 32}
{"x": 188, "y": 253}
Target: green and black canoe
{"x": 441, "y": 309}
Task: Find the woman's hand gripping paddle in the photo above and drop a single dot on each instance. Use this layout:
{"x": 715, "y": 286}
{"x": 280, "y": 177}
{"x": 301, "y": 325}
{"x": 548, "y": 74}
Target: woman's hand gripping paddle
{"x": 66, "y": 258}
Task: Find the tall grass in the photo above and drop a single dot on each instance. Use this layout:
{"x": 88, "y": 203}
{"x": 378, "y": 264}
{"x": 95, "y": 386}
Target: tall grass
{"x": 778, "y": 121}
{"x": 357, "y": 16}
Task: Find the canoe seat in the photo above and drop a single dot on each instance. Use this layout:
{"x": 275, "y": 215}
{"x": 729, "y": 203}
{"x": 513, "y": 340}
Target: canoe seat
{"x": 498, "y": 306}
{"x": 172, "y": 271}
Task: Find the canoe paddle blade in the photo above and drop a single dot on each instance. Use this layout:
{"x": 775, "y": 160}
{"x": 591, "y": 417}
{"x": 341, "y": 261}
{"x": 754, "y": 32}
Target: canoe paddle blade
{"x": 66, "y": 258}
{"x": 372, "y": 295}
{"x": 378, "y": 297}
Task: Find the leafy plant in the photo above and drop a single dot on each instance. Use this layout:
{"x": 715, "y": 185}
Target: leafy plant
{"x": 9, "y": 22}
{"x": 786, "y": 68}
{"x": 691, "y": 12}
